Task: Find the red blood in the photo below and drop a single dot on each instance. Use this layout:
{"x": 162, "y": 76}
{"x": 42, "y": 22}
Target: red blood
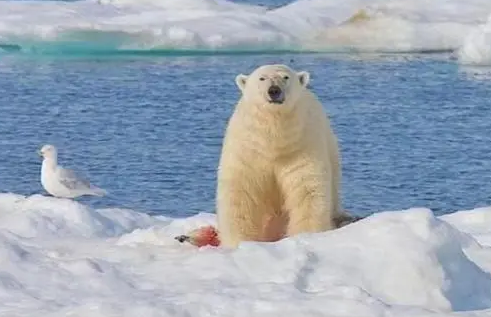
{"x": 204, "y": 236}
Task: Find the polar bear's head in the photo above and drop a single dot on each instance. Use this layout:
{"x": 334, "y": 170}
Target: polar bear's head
{"x": 273, "y": 85}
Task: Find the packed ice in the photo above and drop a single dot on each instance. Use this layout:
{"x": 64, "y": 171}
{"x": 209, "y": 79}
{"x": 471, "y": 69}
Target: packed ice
{"x": 221, "y": 25}
{"x": 63, "y": 258}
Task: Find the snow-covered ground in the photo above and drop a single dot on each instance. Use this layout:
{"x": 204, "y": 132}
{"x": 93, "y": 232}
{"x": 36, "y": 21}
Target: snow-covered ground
{"x": 62, "y": 258}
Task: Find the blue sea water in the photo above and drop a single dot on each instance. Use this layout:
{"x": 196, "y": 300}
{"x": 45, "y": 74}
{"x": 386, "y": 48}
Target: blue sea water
{"x": 413, "y": 129}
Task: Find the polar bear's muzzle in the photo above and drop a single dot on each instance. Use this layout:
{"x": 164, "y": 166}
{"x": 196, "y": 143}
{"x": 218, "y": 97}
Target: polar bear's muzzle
{"x": 276, "y": 94}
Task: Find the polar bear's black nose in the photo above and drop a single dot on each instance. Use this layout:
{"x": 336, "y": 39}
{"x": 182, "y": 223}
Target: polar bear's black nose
{"x": 274, "y": 92}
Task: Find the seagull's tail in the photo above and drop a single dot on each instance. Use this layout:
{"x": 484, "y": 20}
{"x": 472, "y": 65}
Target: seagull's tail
{"x": 96, "y": 191}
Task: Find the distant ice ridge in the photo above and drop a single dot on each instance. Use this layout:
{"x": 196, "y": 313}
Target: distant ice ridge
{"x": 305, "y": 25}
{"x": 476, "y": 49}
{"x": 62, "y": 258}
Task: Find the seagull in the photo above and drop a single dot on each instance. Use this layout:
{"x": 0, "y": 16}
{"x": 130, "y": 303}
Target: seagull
{"x": 61, "y": 182}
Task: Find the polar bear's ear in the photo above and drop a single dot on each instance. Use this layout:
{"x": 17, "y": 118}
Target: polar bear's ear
{"x": 304, "y": 78}
{"x": 240, "y": 80}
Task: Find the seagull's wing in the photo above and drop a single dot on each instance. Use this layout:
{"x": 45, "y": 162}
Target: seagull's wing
{"x": 71, "y": 179}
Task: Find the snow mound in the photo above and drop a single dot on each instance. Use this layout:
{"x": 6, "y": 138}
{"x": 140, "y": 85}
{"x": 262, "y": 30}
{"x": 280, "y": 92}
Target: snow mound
{"x": 47, "y": 216}
{"x": 475, "y": 222}
{"x": 62, "y": 258}
{"x": 476, "y": 47}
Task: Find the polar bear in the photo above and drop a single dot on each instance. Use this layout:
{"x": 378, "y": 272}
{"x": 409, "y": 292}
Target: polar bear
{"x": 279, "y": 172}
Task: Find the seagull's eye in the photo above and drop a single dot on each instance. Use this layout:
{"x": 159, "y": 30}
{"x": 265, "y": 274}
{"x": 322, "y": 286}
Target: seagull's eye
{"x": 262, "y": 79}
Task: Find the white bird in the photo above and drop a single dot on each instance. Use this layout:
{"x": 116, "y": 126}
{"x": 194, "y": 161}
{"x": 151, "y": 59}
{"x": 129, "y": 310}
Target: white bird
{"x": 62, "y": 182}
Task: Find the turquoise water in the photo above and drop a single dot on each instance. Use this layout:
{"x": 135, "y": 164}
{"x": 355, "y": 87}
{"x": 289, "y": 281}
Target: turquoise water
{"x": 413, "y": 129}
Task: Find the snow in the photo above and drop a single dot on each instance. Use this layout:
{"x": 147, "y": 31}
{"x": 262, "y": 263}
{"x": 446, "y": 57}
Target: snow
{"x": 63, "y": 258}
{"x": 476, "y": 49}
{"x": 304, "y": 25}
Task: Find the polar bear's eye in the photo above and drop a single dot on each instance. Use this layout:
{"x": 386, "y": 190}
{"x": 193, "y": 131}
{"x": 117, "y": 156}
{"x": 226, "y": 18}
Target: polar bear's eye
{"x": 286, "y": 77}
{"x": 262, "y": 78}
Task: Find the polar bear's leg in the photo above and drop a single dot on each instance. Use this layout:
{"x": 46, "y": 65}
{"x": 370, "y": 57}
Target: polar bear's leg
{"x": 240, "y": 208}
{"x": 274, "y": 228}
{"x": 307, "y": 199}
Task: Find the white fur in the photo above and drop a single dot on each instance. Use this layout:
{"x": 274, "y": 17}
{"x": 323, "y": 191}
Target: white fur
{"x": 279, "y": 171}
